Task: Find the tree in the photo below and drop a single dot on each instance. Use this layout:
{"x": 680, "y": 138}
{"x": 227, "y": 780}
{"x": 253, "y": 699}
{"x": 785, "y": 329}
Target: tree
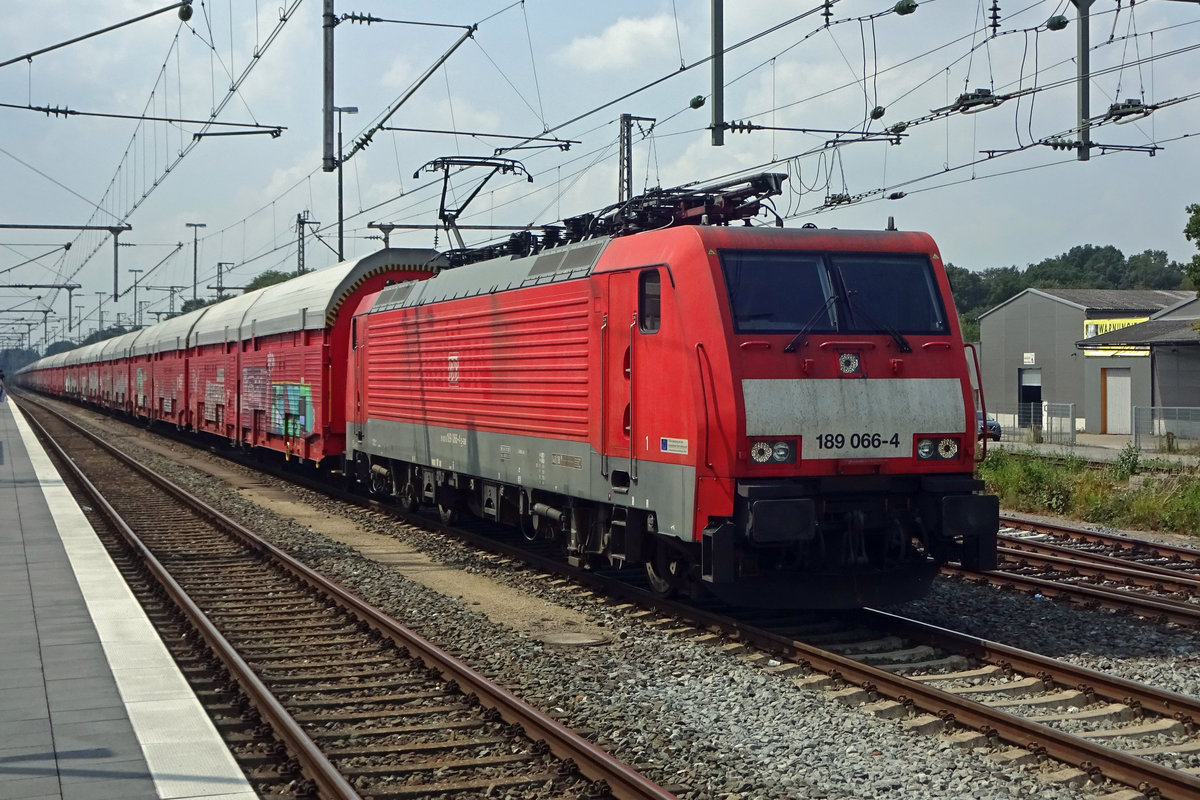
{"x": 107, "y": 333}
{"x": 13, "y": 358}
{"x": 269, "y": 278}
{"x": 1150, "y": 270}
{"x": 60, "y": 347}
{"x": 970, "y": 293}
{"x": 199, "y": 302}
{"x": 968, "y": 287}
{"x": 1191, "y": 232}
{"x": 1002, "y": 283}
{"x": 1082, "y": 267}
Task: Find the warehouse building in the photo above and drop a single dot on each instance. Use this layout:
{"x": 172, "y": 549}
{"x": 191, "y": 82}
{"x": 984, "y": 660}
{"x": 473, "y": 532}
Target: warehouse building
{"x": 1031, "y": 367}
{"x": 1170, "y": 342}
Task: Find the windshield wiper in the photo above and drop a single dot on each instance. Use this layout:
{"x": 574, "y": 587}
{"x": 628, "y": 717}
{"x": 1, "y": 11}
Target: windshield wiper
{"x": 790, "y": 347}
{"x": 901, "y": 343}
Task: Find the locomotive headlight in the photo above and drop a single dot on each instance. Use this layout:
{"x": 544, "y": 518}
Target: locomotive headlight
{"x": 948, "y": 448}
{"x": 925, "y": 449}
{"x": 848, "y": 363}
{"x": 773, "y": 452}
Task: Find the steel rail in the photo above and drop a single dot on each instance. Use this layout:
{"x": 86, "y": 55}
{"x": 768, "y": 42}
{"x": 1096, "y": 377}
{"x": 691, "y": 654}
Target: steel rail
{"x": 1116, "y": 599}
{"x": 1077, "y": 751}
{"x": 313, "y": 763}
{"x": 1071, "y": 532}
{"x": 596, "y": 764}
{"x": 1090, "y": 757}
{"x": 1177, "y": 706}
{"x": 1075, "y": 554}
{"x": 1033, "y": 555}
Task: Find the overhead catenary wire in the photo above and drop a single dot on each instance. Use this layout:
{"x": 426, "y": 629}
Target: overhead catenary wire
{"x": 411, "y": 201}
{"x": 131, "y": 206}
{"x": 931, "y": 51}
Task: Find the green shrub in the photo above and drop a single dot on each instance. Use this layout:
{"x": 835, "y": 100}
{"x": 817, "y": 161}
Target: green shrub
{"x": 1126, "y": 463}
{"x": 1071, "y": 487}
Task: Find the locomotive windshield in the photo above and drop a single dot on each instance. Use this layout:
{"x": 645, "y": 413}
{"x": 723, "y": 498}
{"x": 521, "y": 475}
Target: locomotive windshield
{"x": 774, "y": 291}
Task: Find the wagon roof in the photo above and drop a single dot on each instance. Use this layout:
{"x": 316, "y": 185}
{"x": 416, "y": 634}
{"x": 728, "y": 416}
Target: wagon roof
{"x": 121, "y": 346}
{"x": 49, "y": 362}
{"x": 86, "y": 354}
{"x": 306, "y": 302}
{"x": 171, "y": 334}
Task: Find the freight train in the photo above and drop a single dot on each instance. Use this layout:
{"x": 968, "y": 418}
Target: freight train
{"x": 780, "y": 417}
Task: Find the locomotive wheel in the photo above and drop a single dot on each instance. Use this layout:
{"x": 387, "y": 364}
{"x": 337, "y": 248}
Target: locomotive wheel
{"x": 666, "y": 578}
{"x": 449, "y": 504}
{"x": 379, "y": 485}
{"x": 529, "y": 530}
{"x": 408, "y": 498}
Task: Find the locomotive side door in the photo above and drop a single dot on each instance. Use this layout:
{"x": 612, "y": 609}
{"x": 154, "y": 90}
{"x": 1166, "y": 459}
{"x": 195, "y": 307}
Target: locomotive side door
{"x": 616, "y": 391}
{"x": 634, "y": 309}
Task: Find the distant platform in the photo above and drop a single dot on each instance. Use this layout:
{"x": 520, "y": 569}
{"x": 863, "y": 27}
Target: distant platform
{"x": 92, "y": 707}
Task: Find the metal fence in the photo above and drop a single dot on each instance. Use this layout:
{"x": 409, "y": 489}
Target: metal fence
{"x": 1052, "y": 423}
{"x": 1166, "y": 429}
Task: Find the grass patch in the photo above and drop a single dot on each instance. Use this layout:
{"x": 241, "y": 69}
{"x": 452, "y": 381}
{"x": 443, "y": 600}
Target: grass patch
{"x": 1111, "y": 496}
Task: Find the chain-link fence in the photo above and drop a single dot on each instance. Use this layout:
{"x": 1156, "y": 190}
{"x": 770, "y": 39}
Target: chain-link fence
{"x": 1052, "y": 423}
{"x": 1167, "y": 429}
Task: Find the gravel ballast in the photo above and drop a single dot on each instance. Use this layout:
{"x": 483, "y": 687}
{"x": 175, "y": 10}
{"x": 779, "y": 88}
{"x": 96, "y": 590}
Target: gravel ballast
{"x": 691, "y": 715}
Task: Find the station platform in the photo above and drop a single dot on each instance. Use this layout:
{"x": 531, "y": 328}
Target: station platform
{"x": 92, "y": 707}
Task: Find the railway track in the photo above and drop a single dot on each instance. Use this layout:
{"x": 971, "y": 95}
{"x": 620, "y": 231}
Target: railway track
{"x": 363, "y": 706}
{"x": 982, "y": 693}
{"x": 1098, "y": 570}
{"x": 1105, "y": 547}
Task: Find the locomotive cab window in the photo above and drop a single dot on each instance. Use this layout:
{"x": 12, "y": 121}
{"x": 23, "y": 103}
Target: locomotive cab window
{"x": 893, "y": 291}
{"x": 775, "y": 291}
{"x": 778, "y": 291}
{"x": 649, "y": 301}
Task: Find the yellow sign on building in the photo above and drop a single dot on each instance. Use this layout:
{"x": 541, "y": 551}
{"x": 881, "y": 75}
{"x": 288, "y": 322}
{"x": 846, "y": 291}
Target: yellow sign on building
{"x": 1095, "y": 327}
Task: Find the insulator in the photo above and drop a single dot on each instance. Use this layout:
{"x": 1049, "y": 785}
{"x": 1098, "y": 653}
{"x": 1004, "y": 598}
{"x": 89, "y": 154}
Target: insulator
{"x": 1056, "y": 23}
{"x": 697, "y": 101}
{"x": 898, "y": 128}
{"x": 520, "y": 243}
{"x": 877, "y": 112}
{"x": 905, "y": 7}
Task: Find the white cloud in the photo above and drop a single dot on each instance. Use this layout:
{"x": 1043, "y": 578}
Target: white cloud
{"x": 626, "y": 43}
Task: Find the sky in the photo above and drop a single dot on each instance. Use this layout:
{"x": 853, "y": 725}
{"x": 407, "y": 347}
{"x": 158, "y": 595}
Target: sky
{"x": 815, "y": 75}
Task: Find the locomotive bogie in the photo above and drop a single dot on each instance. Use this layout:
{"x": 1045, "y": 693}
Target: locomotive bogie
{"x": 585, "y": 529}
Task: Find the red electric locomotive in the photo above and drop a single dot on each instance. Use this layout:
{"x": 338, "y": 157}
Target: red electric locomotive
{"x": 782, "y": 416}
